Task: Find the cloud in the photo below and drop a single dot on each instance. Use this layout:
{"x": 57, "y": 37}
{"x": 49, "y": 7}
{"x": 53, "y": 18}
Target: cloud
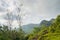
{"x": 44, "y": 7}
{"x": 32, "y": 9}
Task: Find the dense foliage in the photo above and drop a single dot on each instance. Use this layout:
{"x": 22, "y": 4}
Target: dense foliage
{"x": 6, "y": 34}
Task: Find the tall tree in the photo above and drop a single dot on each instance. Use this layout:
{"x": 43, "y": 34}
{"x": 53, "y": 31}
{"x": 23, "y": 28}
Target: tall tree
{"x": 19, "y": 14}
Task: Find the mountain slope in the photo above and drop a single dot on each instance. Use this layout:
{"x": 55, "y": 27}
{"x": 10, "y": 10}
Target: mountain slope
{"x": 28, "y": 28}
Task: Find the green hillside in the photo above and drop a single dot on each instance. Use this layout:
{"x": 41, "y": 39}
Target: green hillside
{"x": 47, "y": 33}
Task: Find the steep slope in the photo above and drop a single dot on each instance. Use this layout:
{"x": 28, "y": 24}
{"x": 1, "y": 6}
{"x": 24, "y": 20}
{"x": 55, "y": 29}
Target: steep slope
{"x": 48, "y": 33}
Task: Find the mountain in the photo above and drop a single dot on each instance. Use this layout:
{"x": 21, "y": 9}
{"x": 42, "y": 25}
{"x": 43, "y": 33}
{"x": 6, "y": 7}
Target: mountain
{"x": 28, "y": 28}
{"x": 46, "y": 23}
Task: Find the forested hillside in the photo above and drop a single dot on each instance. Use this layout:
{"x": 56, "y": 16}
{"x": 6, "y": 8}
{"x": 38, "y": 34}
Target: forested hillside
{"x": 47, "y": 33}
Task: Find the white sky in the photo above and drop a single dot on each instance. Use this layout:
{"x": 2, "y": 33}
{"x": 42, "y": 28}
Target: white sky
{"x": 33, "y": 10}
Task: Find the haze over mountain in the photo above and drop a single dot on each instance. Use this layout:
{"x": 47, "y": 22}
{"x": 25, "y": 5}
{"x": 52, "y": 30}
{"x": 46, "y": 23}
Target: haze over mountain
{"x": 29, "y": 27}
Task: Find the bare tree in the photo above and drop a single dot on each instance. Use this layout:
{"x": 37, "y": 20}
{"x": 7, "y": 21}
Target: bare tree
{"x": 9, "y": 18}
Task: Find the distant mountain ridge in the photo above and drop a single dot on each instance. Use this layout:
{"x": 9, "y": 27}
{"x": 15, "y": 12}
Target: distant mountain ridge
{"x": 46, "y": 23}
{"x": 28, "y": 28}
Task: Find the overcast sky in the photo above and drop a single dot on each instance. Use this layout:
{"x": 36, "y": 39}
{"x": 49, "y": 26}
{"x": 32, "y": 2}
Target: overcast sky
{"x": 33, "y": 10}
